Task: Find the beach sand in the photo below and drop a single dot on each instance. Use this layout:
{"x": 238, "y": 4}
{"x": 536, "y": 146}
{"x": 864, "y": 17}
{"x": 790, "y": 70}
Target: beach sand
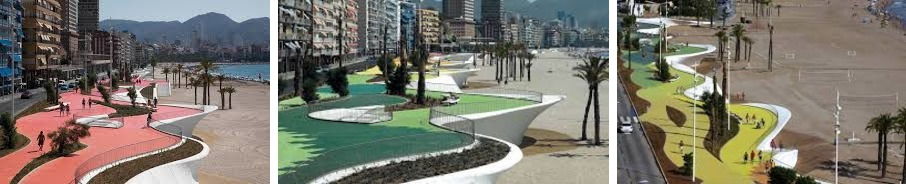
{"x": 820, "y": 37}
{"x": 556, "y": 156}
{"x": 238, "y": 137}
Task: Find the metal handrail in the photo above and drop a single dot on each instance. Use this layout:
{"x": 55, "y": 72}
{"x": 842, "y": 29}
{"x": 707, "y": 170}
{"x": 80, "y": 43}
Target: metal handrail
{"x": 113, "y": 157}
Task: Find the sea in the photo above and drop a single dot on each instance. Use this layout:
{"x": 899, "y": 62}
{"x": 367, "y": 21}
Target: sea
{"x": 250, "y": 71}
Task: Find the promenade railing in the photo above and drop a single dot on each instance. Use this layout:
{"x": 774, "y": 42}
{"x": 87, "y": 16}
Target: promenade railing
{"x": 171, "y": 137}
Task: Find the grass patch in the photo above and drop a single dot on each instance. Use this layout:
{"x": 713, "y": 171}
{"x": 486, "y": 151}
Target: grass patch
{"x": 34, "y": 108}
{"x": 632, "y": 88}
{"x": 676, "y": 116}
{"x": 37, "y": 162}
{"x": 20, "y": 143}
{"x": 716, "y": 139}
{"x": 124, "y": 110}
{"x": 123, "y": 172}
{"x": 486, "y": 152}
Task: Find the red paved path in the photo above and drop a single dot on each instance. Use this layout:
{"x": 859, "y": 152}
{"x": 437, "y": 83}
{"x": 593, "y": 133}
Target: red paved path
{"x": 62, "y": 170}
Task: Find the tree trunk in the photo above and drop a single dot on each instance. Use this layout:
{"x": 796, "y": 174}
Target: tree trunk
{"x": 231, "y": 101}
{"x": 597, "y": 117}
{"x": 585, "y": 117}
{"x": 196, "y": 95}
{"x": 222, "y": 101}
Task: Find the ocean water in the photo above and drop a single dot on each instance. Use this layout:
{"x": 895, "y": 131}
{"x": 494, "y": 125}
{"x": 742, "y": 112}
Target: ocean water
{"x": 246, "y": 70}
{"x": 897, "y": 8}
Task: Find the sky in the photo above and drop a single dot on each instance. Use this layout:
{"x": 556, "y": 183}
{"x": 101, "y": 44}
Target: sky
{"x": 181, "y": 10}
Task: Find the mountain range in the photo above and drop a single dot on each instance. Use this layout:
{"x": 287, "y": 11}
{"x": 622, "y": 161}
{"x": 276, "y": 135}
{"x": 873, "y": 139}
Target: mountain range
{"x": 589, "y": 13}
{"x": 212, "y": 27}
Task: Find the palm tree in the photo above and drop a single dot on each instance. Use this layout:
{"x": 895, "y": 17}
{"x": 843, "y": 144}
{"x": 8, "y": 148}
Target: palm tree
{"x": 881, "y": 124}
{"x": 153, "y": 65}
{"x": 528, "y": 66}
{"x": 132, "y": 95}
{"x": 166, "y": 74}
{"x": 220, "y": 79}
{"x": 628, "y": 24}
{"x": 222, "y": 98}
{"x": 738, "y": 32}
{"x": 722, "y": 39}
{"x": 206, "y": 67}
{"x": 230, "y": 90}
{"x": 900, "y": 128}
{"x": 748, "y": 41}
{"x": 178, "y": 71}
{"x": 593, "y": 71}
{"x": 195, "y": 83}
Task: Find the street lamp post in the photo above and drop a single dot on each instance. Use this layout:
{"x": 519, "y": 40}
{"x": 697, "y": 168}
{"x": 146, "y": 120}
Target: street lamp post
{"x": 837, "y": 110}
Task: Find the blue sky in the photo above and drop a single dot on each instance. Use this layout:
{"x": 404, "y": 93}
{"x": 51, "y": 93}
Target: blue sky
{"x": 182, "y": 10}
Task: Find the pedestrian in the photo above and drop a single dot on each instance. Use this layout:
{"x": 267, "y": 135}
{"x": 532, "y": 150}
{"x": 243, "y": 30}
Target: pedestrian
{"x": 759, "y": 156}
{"x": 752, "y": 155}
{"x": 149, "y": 120}
{"x": 83, "y": 103}
{"x": 89, "y": 104}
{"x": 155, "y": 101}
{"x": 745, "y": 158}
{"x": 681, "y": 145}
{"x": 61, "y": 109}
{"x": 41, "y": 141}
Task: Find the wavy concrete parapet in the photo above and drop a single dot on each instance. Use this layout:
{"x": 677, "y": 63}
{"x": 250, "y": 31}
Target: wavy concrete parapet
{"x": 186, "y": 123}
{"x": 163, "y": 89}
{"x": 486, "y": 174}
{"x": 461, "y": 77}
{"x": 180, "y": 171}
{"x": 510, "y": 124}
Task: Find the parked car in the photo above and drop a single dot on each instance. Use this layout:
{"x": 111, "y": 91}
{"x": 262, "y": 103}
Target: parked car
{"x": 626, "y": 127}
{"x": 26, "y": 94}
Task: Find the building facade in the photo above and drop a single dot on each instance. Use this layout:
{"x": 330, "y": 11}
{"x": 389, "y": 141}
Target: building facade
{"x": 70, "y": 32}
{"x": 492, "y": 19}
{"x": 379, "y": 25}
{"x": 41, "y": 48}
{"x": 408, "y": 23}
{"x": 88, "y": 15}
{"x": 429, "y": 26}
{"x": 458, "y": 16}
{"x": 11, "y": 36}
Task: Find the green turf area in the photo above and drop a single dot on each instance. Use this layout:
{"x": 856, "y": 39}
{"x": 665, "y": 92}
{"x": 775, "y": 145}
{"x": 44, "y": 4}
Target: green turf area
{"x": 358, "y": 79}
{"x": 662, "y": 95}
{"x": 309, "y": 148}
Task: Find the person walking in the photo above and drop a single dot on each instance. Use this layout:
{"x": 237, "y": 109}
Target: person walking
{"x": 41, "y": 141}
{"x": 745, "y": 157}
{"x": 681, "y": 145}
{"x": 752, "y": 155}
{"x": 759, "y": 156}
{"x": 83, "y": 103}
{"x": 149, "y": 120}
{"x": 61, "y": 109}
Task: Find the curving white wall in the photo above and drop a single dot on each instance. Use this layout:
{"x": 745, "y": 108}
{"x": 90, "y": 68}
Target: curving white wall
{"x": 180, "y": 171}
{"x": 186, "y": 123}
{"x": 510, "y": 124}
{"x": 163, "y": 89}
{"x": 461, "y": 77}
{"x": 486, "y": 174}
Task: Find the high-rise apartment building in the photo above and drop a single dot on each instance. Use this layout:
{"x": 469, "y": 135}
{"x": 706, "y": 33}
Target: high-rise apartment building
{"x": 89, "y": 15}
{"x": 492, "y": 19}
{"x": 458, "y": 17}
{"x": 379, "y": 25}
{"x": 407, "y": 23}
{"x": 70, "y": 32}
{"x": 429, "y": 25}
{"x": 41, "y": 50}
{"x": 10, "y": 42}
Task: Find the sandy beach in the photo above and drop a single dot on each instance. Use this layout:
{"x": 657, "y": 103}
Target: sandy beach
{"x": 238, "y": 137}
{"x": 556, "y": 156}
{"x": 820, "y": 46}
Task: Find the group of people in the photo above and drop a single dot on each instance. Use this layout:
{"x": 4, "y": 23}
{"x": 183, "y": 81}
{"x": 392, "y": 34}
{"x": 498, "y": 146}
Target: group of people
{"x": 152, "y": 102}
{"x": 748, "y": 157}
{"x": 751, "y": 119}
{"x": 64, "y": 109}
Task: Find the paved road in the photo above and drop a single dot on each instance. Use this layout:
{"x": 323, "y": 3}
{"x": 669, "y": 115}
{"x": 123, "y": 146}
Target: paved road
{"x": 636, "y": 161}
{"x": 21, "y": 104}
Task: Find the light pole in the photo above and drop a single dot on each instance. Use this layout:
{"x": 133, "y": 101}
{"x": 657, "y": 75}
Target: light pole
{"x": 837, "y": 110}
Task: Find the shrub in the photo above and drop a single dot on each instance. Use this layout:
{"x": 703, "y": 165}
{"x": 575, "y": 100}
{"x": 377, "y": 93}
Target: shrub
{"x": 686, "y": 169}
{"x": 65, "y": 139}
{"x": 8, "y": 127}
{"x": 676, "y": 116}
{"x": 132, "y": 95}
{"x": 51, "y": 91}
{"x": 663, "y": 71}
{"x": 338, "y": 82}
{"x": 781, "y": 175}
{"x": 309, "y": 90}
{"x": 104, "y": 93}
{"x": 805, "y": 180}
{"x": 124, "y": 110}
{"x": 114, "y": 84}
